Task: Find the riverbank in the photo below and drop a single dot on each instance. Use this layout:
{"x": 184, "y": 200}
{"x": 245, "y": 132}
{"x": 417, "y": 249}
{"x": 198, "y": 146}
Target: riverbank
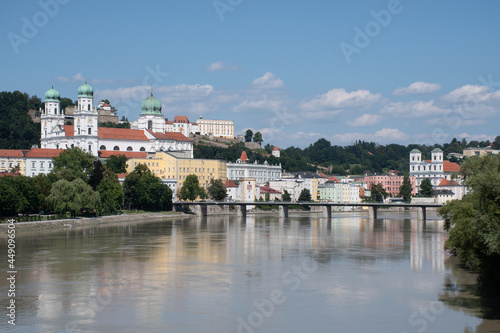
{"x": 85, "y": 222}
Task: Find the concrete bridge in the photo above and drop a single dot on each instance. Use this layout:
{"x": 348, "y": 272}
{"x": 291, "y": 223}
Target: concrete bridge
{"x": 201, "y": 208}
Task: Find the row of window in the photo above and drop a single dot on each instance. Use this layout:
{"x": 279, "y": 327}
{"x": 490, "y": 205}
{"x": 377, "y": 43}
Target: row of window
{"x": 116, "y": 148}
{"x": 425, "y": 169}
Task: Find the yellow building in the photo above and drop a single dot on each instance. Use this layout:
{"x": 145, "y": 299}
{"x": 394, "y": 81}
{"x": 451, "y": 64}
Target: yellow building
{"x": 11, "y": 158}
{"x": 169, "y": 166}
{"x": 468, "y": 152}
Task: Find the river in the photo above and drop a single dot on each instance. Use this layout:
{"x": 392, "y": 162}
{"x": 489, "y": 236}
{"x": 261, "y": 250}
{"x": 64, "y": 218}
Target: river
{"x": 262, "y": 274}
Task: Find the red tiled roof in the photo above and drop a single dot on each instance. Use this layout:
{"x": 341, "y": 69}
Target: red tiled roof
{"x": 267, "y": 189}
{"x": 122, "y": 134}
{"x": 275, "y": 148}
{"x": 322, "y": 175}
{"x": 69, "y": 130}
{"x": 7, "y": 173}
{"x": 41, "y": 152}
{"x": 169, "y": 122}
{"x": 11, "y": 153}
{"x": 181, "y": 119}
{"x": 333, "y": 179}
{"x": 121, "y": 175}
{"x": 230, "y": 183}
{"x": 178, "y": 136}
{"x": 446, "y": 182}
{"x": 243, "y": 156}
{"x": 450, "y": 166}
{"x": 128, "y": 154}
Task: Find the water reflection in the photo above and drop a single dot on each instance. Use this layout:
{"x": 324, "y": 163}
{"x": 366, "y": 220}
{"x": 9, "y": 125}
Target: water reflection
{"x": 227, "y": 274}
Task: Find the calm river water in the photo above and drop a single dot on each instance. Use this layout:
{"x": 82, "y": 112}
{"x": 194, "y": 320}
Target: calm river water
{"x": 262, "y": 274}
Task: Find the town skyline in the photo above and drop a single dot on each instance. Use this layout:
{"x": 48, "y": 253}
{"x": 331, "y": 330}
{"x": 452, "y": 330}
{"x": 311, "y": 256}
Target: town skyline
{"x": 344, "y": 72}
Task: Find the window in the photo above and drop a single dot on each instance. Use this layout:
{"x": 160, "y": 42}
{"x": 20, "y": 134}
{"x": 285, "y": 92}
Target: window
{"x": 90, "y": 130}
{"x": 32, "y": 164}
{"x": 116, "y": 148}
{"x": 88, "y": 107}
{"x": 150, "y": 125}
{"x": 90, "y": 148}
{"x": 42, "y": 165}
{"x": 78, "y": 130}
{"x": 129, "y": 148}
{"x": 142, "y": 149}
{"x": 103, "y": 147}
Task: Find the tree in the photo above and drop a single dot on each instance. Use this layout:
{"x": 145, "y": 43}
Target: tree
{"x": 378, "y": 193}
{"x": 473, "y": 221}
{"x": 111, "y": 192}
{"x": 65, "y": 102}
{"x": 73, "y": 163}
{"x": 8, "y": 198}
{"x": 406, "y": 189}
{"x": 268, "y": 197}
{"x": 75, "y": 197}
{"x": 426, "y": 188}
{"x": 191, "y": 189}
{"x": 97, "y": 174}
{"x": 257, "y": 137}
{"x": 305, "y": 195}
{"x": 248, "y": 135}
{"x": 217, "y": 190}
{"x": 144, "y": 190}
{"x": 496, "y": 142}
{"x": 286, "y": 196}
{"x": 117, "y": 163}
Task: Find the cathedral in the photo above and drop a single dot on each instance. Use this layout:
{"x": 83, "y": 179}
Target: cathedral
{"x": 85, "y": 133}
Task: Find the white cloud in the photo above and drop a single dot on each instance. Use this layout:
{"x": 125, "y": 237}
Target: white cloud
{"x": 267, "y": 81}
{"x": 264, "y": 103}
{"x": 365, "y": 120}
{"x": 78, "y": 77}
{"x": 476, "y": 137}
{"x": 219, "y": 66}
{"x": 418, "y": 87}
{"x": 337, "y": 100}
{"x": 472, "y": 94}
{"x": 412, "y": 109}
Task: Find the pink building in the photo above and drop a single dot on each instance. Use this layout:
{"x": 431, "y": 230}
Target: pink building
{"x": 390, "y": 182}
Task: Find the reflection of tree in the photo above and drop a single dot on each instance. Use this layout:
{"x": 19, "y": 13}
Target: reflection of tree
{"x": 461, "y": 293}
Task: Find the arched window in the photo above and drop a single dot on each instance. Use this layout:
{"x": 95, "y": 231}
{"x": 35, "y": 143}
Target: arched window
{"x": 129, "y": 148}
{"x": 90, "y": 148}
{"x": 142, "y": 149}
{"x": 116, "y": 148}
{"x": 103, "y": 147}
{"x": 150, "y": 125}
{"x": 90, "y": 130}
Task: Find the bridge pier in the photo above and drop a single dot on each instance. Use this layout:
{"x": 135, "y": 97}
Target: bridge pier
{"x": 421, "y": 214}
{"x": 326, "y": 212}
{"x": 283, "y": 211}
{"x": 241, "y": 211}
{"x": 372, "y": 212}
{"x": 200, "y": 210}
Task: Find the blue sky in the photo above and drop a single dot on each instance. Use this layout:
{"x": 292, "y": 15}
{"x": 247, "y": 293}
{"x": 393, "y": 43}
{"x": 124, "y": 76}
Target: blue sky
{"x": 409, "y": 71}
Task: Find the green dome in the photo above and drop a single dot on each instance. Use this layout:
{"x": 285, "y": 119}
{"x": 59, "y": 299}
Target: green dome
{"x": 52, "y": 95}
{"x": 85, "y": 90}
{"x": 151, "y": 105}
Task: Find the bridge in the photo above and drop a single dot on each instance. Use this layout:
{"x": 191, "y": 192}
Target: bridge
{"x": 201, "y": 208}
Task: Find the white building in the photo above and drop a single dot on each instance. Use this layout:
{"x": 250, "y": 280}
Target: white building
{"x": 149, "y": 135}
{"x": 39, "y": 161}
{"x": 436, "y": 168}
{"x": 262, "y": 173}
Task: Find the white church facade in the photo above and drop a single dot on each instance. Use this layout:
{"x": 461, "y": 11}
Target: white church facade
{"x": 150, "y": 136}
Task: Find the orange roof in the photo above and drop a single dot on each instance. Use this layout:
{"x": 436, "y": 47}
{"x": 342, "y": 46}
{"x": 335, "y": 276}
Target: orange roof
{"x": 267, "y": 189}
{"x": 178, "y": 136}
{"x": 322, "y": 175}
{"x": 333, "y": 179}
{"x": 275, "y": 148}
{"x": 128, "y": 154}
{"x": 181, "y": 119}
{"x": 40, "y": 152}
{"x": 450, "y": 166}
{"x": 243, "y": 156}
{"x": 169, "y": 122}
{"x": 230, "y": 183}
{"x": 69, "y": 130}
{"x": 11, "y": 153}
{"x": 121, "y": 134}
{"x": 121, "y": 175}
{"x": 446, "y": 182}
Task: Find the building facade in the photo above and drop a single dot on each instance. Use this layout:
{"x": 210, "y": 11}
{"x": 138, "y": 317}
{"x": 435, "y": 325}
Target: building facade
{"x": 262, "y": 173}
{"x": 390, "y": 182}
{"x": 435, "y": 169}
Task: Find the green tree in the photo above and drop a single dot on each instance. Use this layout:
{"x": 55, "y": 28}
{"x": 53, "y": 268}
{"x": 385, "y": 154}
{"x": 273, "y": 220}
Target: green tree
{"x": 97, "y": 174}
{"x": 406, "y": 189}
{"x": 268, "y": 197}
{"x": 29, "y": 195}
{"x": 191, "y": 188}
{"x": 257, "y": 137}
{"x": 473, "y": 222}
{"x": 217, "y": 190}
{"x": 75, "y": 197}
{"x": 305, "y": 195}
{"x": 248, "y": 135}
{"x": 378, "y": 193}
{"x": 117, "y": 163}
{"x": 286, "y": 196}
{"x": 8, "y": 198}
{"x": 73, "y": 163}
{"x": 144, "y": 190}
{"x": 426, "y": 188}
{"x": 111, "y": 192}
{"x": 496, "y": 142}
{"x": 65, "y": 102}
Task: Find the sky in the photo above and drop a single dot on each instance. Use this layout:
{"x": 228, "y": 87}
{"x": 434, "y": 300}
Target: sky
{"x": 408, "y": 71}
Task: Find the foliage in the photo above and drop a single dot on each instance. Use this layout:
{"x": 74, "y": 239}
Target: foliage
{"x": 114, "y": 125}
{"x": 73, "y": 163}
{"x": 268, "y": 197}
{"x": 406, "y": 189}
{"x": 305, "y": 195}
{"x": 378, "y": 193}
{"x": 496, "y": 142}
{"x": 19, "y": 195}
{"x": 143, "y": 190}
{"x": 248, "y": 135}
{"x": 474, "y": 221}
{"x": 96, "y": 174}
{"x": 117, "y": 163}
{"x": 257, "y": 137}
{"x": 17, "y": 129}
{"x": 286, "y": 196}
{"x": 8, "y": 198}
{"x": 65, "y": 102}
{"x": 110, "y": 191}
{"x": 217, "y": 190}
{"x": 426, "y": 188}
{"x": 191, "y": 188}
{"x": 75, "y": 197}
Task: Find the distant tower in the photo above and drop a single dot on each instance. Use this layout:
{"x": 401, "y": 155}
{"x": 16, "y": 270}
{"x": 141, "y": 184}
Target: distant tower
{"x": 52, "y": 120}
{"x": 276, "y": 152}
{"x": 151, "y": 117}
{"x": 86, "y": 121}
